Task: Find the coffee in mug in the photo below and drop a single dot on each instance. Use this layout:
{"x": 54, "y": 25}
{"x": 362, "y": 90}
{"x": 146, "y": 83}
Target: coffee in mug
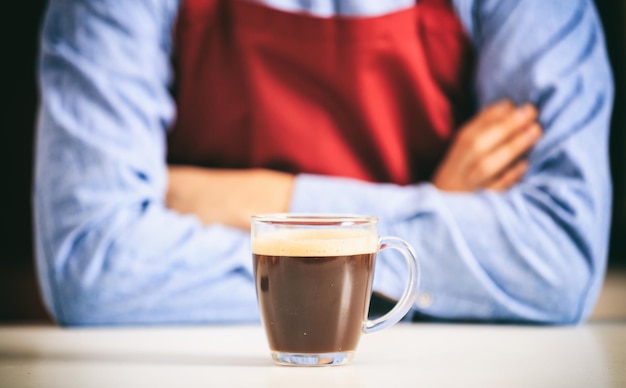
{"x": 313, "y": 277}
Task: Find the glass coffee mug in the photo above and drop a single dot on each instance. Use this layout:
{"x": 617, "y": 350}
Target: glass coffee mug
{"x": 313, "y": 277}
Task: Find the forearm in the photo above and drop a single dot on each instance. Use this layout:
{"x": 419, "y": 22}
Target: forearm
{"x": 227, "y": 196}
{"x": 485, "y": 256}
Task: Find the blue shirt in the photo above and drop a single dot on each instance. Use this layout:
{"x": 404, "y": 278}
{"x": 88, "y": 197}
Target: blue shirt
{"x": 110, "y": 252}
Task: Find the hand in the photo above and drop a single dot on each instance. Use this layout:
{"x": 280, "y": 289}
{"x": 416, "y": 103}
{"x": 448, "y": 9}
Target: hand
{"x": 488, "y": 152}
{"x": 229, "y": 197}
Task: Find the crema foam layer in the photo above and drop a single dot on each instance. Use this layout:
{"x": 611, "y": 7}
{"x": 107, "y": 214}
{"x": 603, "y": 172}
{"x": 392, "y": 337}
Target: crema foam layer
{"x": 315, "y": 243}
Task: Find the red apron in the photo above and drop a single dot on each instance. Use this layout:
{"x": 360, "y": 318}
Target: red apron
{"x": 372, "y": 98}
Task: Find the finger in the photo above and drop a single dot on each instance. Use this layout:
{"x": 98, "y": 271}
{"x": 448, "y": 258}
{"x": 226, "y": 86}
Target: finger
{"x": 510, "y": 177}
{"x": 484, "y": 139}
{"x": 477, "y": 144}
{"x": 493, "y": 112}
{"x": 493, "y": 164}
{"x": 462, "y": 167}
{"x": 486, "y": 117}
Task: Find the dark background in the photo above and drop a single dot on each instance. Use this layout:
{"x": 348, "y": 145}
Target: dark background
{"x": 19, "y": 29}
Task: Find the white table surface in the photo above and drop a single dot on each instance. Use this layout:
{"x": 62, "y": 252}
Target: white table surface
{"x": 408, "y": 355}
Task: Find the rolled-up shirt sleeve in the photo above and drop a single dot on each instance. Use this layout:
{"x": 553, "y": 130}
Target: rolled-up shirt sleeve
{"x": 108, "y": 250}
{"x": 534, "y": 253}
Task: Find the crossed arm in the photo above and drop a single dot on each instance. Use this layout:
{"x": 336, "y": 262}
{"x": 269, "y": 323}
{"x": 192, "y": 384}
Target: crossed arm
{"x": 488, "y": 153}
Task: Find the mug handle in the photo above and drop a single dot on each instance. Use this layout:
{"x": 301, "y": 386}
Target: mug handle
{"x": 410, "y": 292}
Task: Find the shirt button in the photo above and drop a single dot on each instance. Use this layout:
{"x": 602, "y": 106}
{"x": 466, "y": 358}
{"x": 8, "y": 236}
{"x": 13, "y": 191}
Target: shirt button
{"x": 424, "y": 300}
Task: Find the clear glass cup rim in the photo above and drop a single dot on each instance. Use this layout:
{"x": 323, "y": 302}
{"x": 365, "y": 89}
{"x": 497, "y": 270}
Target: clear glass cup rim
{"x": 314, "y": 219}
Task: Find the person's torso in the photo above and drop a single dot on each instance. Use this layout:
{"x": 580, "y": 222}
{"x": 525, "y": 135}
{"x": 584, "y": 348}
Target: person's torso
{"x": 375, "y": 98}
